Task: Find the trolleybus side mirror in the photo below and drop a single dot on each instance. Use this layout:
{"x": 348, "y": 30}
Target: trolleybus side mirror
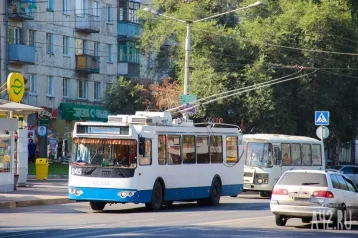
{"x": 142, "y": 146}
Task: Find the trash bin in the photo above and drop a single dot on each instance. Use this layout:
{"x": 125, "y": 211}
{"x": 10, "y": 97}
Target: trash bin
{"x": 41, "y": 168}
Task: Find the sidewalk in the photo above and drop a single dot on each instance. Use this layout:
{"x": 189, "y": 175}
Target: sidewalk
{"x": 37, "y": 192}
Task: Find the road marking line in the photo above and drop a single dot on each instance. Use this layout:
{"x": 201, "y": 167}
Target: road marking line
{"x": 193, "y": 215}
{"x": 230, "y": 221}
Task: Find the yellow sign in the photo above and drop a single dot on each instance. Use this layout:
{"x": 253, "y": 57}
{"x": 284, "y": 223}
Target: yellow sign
{"x": 15, "y": 87}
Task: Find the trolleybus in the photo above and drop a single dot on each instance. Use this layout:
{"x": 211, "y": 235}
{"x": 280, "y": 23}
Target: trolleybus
{"x": 153, "y": 159}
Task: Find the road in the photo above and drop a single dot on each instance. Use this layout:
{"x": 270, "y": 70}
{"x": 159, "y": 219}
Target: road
{"x": 245, "y": 216}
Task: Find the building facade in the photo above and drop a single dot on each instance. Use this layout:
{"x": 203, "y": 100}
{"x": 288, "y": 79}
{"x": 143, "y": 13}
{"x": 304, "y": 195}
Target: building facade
{"x": 69, "y": 52}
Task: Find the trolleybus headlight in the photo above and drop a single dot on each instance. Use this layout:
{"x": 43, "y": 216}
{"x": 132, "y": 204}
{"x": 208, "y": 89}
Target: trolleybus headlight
{"x": 259, "y": 181}
{"x": 123, "y": 194}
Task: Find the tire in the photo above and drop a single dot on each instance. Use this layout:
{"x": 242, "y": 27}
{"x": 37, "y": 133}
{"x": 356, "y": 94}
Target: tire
{"x": 234, "y": 196}
{"x": 157, "y": 197}
{"x": 265, "y": 194}
{"x": 215, "y": 193}
{"x": 280, "y": 220}
{"x": 306, "y": 220}
{"x": 97, "y": 206}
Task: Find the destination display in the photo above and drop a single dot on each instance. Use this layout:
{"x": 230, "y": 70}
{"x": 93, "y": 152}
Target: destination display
{"x": 87, "y": 129}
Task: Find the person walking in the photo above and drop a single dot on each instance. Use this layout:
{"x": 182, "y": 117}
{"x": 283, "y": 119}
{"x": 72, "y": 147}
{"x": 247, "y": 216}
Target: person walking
{"x": 32, "y": 151}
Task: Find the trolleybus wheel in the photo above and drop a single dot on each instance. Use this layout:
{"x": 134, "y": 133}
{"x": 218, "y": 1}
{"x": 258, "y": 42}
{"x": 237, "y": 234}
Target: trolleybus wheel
{"x": 215, "y": 193}
{"x": 97, "y": 206}
{"x": 157, "y": 197}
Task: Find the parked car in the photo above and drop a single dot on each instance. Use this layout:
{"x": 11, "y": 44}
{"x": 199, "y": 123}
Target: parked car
{"x": 306, "y": 193}
{"x": 350, "y": 171}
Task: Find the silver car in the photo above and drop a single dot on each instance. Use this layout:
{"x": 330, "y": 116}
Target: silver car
{"x": 308, "y": 194}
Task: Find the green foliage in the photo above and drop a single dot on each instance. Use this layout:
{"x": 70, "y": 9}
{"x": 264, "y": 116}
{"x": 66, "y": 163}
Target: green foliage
{"x": 226, "y": 56}
{"x": 123, "y": 97}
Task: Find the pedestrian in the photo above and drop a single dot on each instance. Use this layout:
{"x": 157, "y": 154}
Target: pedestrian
{"x": 32, "y": 151}
{"x": 59, "y": 149}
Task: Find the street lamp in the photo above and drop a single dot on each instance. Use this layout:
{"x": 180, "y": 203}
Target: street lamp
{"x": 187, "y": 40}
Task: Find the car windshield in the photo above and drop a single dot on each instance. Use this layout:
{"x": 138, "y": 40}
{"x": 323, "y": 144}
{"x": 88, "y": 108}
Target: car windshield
{"x": 97, "y": 152}
{"x": 259, "y": 154}
{"x": 304, "y": 179}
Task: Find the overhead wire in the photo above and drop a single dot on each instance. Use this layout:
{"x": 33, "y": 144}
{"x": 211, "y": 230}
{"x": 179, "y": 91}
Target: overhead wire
{"x": 244, "y": 91}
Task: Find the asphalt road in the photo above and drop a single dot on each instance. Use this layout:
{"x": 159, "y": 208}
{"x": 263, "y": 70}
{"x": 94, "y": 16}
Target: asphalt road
{"x": 244, "y": 216}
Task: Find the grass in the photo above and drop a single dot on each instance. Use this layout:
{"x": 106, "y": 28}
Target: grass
{"x": 53, "y": 169}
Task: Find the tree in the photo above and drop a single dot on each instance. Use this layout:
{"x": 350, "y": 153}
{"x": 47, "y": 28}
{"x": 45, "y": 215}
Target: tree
{"x": 270, "y": 41}
{"x": 123, "y": 97}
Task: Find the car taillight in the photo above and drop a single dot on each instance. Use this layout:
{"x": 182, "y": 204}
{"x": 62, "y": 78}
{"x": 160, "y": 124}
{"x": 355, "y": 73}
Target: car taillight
{"x": 279, "y": 191}
{"x": 323, "y": 194}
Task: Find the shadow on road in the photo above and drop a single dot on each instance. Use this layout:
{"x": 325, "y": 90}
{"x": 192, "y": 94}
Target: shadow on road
{"x": 169, "y": 231}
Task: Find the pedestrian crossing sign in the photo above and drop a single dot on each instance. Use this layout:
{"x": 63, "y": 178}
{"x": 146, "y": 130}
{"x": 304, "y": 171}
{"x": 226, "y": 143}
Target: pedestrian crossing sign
{"x": 321, "y": 118}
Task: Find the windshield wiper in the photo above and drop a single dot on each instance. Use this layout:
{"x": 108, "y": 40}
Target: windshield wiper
{"x": 309, "y": 183}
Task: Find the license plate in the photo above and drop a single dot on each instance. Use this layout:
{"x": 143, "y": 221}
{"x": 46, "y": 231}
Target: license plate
{"x": 300, "y": 195}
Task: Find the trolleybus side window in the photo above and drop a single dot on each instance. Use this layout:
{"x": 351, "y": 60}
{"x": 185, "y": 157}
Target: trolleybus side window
{"x": 188, "y": 150}
{"x": 231, "y": 149}
{"x": 147, "y": 158}
{"x": 316, "y": 155}
{"x": 216, "y": 149}
{"x": 286, "y": 154}
{"x": 174, "y": 152}
{"x": 296, "y": 154}
{"x": 162, "y": 149}
{"x": 306, "y": 154}
{"x": 202, "y": 149}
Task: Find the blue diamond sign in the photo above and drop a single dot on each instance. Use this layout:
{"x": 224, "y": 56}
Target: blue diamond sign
{"x": 321, "y": 118}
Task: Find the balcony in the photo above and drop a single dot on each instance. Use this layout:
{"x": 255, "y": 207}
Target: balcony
{"x": 21, "y": 54}
{"x": 21, "y": 9}
{"x": 87, "y": 63}
{"x": 128, "y": 69}
{"x": 87, "y": 23}
{"x": 129, "y": 30}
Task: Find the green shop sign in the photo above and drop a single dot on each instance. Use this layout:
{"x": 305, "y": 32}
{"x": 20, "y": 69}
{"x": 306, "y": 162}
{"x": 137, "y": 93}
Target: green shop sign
{"x": 76, "y": 112}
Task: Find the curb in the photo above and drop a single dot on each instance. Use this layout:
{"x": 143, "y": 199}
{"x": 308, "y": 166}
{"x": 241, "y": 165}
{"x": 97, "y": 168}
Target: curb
{"x": 40, "y": 202}
{"x": 33, "y": 177}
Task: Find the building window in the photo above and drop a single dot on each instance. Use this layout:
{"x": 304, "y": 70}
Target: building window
{"x": 80, "y": 7}
{"x": 49, "y": 43}
{"x": 66, "y": 6}
{"x": 109, "y": 13}
{"x": 96, "y": 49}
{"x": 65, "y": 45}
{"x": 32, "y": 38}
{"x": 96, "y": 11}
{"x": 33, "y": 84}
{"x": 82, "y": 89}
{"x": 50, "y": 86}
{"x": 97, "y": 90}
{"x": 128, "y": 52}
{"x": 50, "y": 5}
{"x": 14, "y": 35}
{"x": 109, "y": 53}
{"x": 133, "y": 12}
{"x": 66, "y": 87}
{"x": 120, "y": 14}
{"x": 79, "y": 47}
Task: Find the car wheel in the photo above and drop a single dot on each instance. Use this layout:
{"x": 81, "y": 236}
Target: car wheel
{"x": 280, "y": 220}
{"x": 265, "y": 194}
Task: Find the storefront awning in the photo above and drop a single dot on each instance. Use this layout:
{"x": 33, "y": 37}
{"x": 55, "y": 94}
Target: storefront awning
{"x": 19, "y": 108}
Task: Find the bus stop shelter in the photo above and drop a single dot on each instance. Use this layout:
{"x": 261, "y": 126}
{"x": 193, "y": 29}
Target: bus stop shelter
{"x": 11, "y": 124}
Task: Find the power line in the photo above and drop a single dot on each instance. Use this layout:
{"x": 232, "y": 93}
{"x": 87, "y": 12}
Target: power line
{"x": 244, "y": 91}
{"x": 238, "y": 90}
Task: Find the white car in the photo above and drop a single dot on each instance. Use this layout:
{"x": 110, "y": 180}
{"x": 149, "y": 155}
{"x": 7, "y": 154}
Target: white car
{"x": 308, "y": 193}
